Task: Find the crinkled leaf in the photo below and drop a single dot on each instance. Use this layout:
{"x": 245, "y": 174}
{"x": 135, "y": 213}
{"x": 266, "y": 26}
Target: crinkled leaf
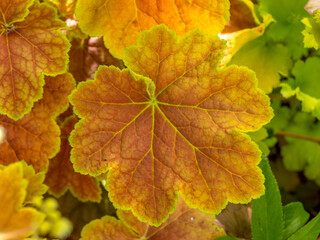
{"x": 184, "y": 223}
{"x": 86, "y": 55}
{"x": 29, "y": 48}
{"x": 311, "y": 32}
{"x": 306, "y": 85}
{"x": 35, "y": 137}
{"x": 294, "y": 217}
{"x": 16, "y": 221}
{"x": 174, "y": 129}
{"x": 267, "y": 60}
{"x": 267, "y": 210}
{"x": 61, "y": 176}
{"x": 120, "y": 22}
{"x": 55, "y": 96}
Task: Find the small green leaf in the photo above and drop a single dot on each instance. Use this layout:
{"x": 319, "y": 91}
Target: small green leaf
{"x": 294, "y": 217}
{"x": 309, "y": 231}
{"x": 267, "y": 210}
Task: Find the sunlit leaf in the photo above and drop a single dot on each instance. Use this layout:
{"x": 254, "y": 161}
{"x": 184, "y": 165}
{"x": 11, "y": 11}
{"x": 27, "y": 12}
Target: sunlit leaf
{"x": 16, "y": 221}
{"x": 35, "y": 137}
{"x": 29, "y": 48}
{"x": 65, "y": 7}
{"x": 267, "y": 60}
{"x": 287, "y": 27}
{"x": 120, "y": 22}
{"x": 312, "y": 31}
{"x": 35, "y": 187}
{"x": 184, "y": 223}
{"x": 61, "y": 176}
{"x": 176, "y": 128}
{"x": 306, "y": 85}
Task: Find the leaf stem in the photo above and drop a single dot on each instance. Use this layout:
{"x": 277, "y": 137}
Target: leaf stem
{"x": 295, "y": 135}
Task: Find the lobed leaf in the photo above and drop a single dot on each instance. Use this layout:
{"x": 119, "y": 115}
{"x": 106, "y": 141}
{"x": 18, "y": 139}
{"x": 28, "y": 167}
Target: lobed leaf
{"x": 120, "y": 22}
{"x": 61, "y": 176}
{"x": 184, "y": 223}
{"x": 305, "y": 85}
{"x": 35, "y": 137}
{"x": 171, "y": 124}
{"x": 16, "y": 221}
{"x": 267, "y": 60}
{"x": 29, "y": 48}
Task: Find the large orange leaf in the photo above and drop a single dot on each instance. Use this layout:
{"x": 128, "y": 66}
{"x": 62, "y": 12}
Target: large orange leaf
{"x": 16, "y": 221}
{"x": 61, "y": 176}
{"x": 185, "y": 223}
{"x": 121, "y": 21}
{"x": 169, "y": 124}
{"x": 35, "y": 137}
{"x": 29, "y": 48}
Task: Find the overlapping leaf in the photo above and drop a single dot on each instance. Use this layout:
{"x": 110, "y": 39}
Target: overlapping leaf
{"x": 29, "y": 47}
{"x": 299, "y": 154}
{"x": 184, "y": 223}
{"x": 241, "y": 16}
{"x": 86, "y": 54}
{"x": 61, "y": 176}
{"x": 306, "y": 85}
{"x": 267, "y": 60}
{"x": 171, "y": 126}
{"x": 16, "y": 221}
{"x": 120, "y": 22}
{"x": 287, "y": 27}
{"x": 35, "y": 137}
{"x": 65, "y": 7}
{"x": 312, "y": 31}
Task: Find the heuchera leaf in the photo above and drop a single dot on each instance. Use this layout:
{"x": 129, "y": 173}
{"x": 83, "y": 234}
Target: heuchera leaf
{"x": 61, "y": 176}
{"x": 287, "y": 27}
{"x": 184, "y": 223}
{"x": 299, "y": 154}
{"x": 29, "y": 48}
{"x": 237, "y": 40}
{"x": 65, "y": 7}
{"x": 35, "y": 137}
{"x": 16, "y": 221}
{"x": 174, "y": 129}
{"x": 267, "y": 60}
{"x": 305, "y": 85}
{"x": 35, "y": 187}
{"x": 120, "y": 22}
{"x": 311, "y": 32}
